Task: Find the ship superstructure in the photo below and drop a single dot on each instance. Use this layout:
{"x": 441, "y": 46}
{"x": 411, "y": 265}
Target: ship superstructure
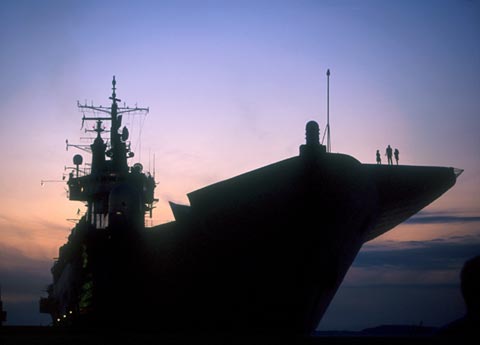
{"x": 110, "y": 175}
{"x": 264, "y": 251}
{"x": 117, "y": 196}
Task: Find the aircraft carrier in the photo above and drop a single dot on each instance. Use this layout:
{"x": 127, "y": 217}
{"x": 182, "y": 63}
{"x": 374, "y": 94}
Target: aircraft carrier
{"x": 264, "y": 251}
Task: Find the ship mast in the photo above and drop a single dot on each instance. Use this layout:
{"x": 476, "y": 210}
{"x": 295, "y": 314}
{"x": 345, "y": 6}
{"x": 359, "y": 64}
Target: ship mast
{"x": 109, "y": 168}
{"x": 118, "y": 152}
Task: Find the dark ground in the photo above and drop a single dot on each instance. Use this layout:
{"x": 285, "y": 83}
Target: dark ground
{"x": 23, "y": 335}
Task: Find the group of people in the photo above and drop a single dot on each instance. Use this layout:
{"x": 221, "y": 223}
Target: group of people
{"x": 388, "y": 153}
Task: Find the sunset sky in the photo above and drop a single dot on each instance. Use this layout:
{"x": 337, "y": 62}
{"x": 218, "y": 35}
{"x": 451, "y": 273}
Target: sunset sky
{"x": 230, "y": 86}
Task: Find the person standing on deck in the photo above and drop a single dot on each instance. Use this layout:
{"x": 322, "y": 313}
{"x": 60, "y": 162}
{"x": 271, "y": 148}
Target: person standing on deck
{"x": 396, "y": 153}
{"x": 379, "y": 159}
{"x": 388, "y": 153}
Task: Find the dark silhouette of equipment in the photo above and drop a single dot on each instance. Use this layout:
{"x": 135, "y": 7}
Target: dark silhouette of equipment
{"x": 77, "y": 161}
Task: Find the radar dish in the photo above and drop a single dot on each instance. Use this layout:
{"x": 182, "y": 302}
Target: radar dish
{"x": 125, "y": 134}
{"x": 138, "y": 167}
{"x": 77, "y": 159}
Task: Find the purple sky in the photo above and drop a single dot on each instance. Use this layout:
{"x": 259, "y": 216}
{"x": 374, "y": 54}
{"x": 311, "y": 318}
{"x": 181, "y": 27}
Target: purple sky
{"x": 230, "y": 86}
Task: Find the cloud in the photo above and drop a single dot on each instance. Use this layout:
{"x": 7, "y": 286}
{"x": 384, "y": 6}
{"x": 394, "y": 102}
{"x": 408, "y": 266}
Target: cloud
{"x": 14, "y": 258}
{"x": 437, "y": 254}
{"x": 358, "y": 307}
{"x": 25, "y": 313}
{"x": 18, "y": 269}
{"x": 442, "y": 219}
{"x": 23, "y": 280}
{"x": 34, "y": 237}
{"x": 389, "y": 277}
{"x": 24, "y": 285}
{"x": 403, "y": 283}
{"x": 413, "y": 263}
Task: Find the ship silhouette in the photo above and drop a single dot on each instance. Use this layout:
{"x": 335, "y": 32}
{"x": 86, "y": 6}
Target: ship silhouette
{"x": 264, "y": 251}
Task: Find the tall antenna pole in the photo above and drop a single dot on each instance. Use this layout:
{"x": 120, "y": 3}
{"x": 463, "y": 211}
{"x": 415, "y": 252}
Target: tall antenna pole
{"x": 329, "y": 148}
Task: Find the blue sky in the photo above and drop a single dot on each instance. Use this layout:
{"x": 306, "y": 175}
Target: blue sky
{"x": 230, "y": 86}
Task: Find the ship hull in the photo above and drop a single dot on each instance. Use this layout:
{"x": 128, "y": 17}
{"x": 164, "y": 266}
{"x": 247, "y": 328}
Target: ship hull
{"x": 262, "y": 252}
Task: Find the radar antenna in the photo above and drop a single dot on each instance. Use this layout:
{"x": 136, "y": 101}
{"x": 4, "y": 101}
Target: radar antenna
{"x": 85, "y": 148}
{"x": 114, "y": 114}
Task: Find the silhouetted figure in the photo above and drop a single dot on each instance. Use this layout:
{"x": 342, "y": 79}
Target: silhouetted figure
{"x": 469, "y": 325}
{"x": 396, "y": 153}
{"x": 388, "y": 153}
{"x": 379, "y": 159}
